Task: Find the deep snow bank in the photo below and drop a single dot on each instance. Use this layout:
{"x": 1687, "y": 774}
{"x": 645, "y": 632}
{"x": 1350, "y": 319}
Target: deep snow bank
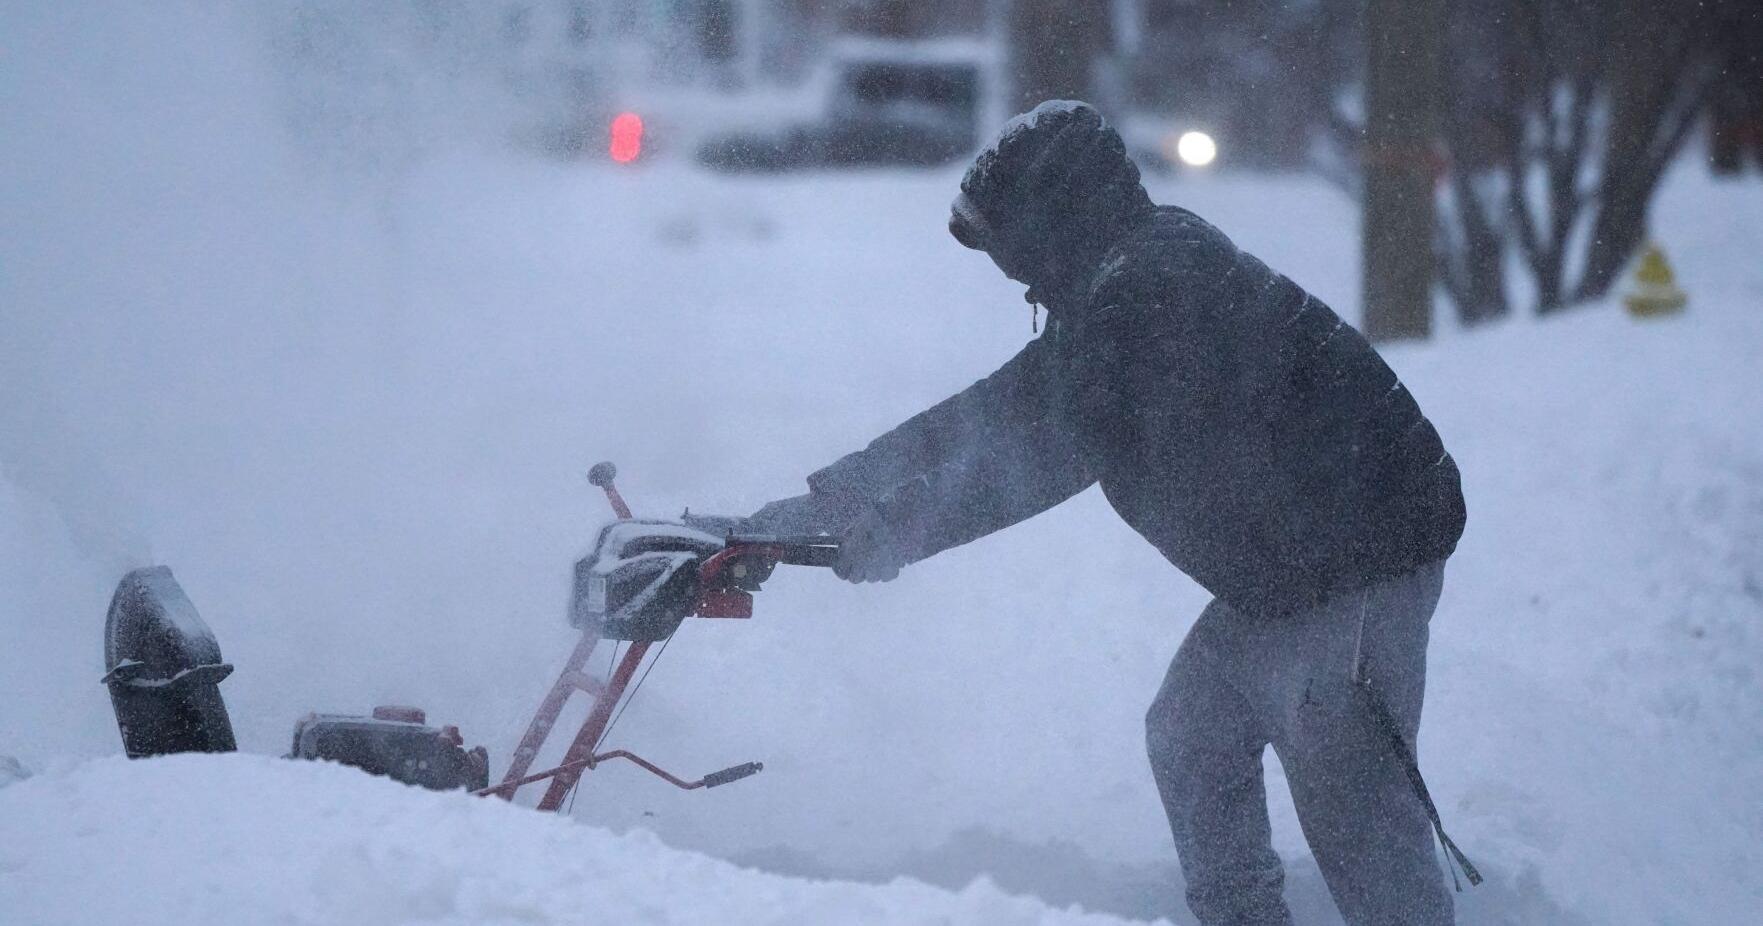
{"x": 231, "y": 840}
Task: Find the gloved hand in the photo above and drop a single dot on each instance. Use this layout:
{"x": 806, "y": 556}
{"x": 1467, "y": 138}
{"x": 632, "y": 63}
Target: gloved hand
{"x": 869, "y": 551}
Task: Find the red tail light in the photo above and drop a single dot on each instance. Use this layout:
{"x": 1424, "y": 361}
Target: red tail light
{"x": 627, "y": 138}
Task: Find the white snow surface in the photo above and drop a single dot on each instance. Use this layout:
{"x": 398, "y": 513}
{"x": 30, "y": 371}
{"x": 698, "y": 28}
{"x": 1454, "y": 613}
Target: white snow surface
{"x": 233, "y": 840}
{"x": 1033, "y": 117}
{"x": 351, "y": 402}
{"x": 12, "y": 771}
{"x": 1026, "y": 121}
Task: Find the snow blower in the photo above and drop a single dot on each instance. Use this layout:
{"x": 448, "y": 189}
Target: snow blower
{"x": 639, "y": 584}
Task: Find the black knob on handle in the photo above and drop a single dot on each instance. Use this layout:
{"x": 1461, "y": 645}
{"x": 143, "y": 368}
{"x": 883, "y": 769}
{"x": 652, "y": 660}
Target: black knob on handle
{"x": 736, "y": 773}
{"x": 602, "y": 474}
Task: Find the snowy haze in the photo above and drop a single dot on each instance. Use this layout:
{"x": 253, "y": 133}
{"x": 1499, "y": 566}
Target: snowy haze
{"x": 340, "y": 355}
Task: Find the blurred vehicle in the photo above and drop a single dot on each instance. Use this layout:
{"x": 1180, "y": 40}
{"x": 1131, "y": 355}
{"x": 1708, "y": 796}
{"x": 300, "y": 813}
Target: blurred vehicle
{"x": 891, "y": 103}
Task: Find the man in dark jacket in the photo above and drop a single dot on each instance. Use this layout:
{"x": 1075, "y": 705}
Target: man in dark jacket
{"x": 1254, "y": 438}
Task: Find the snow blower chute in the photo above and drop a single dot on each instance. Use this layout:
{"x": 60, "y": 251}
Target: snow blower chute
{"x": 163, "y": 668}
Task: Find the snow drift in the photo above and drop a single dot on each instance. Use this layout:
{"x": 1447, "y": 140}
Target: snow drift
{"x": 236, "y": 840}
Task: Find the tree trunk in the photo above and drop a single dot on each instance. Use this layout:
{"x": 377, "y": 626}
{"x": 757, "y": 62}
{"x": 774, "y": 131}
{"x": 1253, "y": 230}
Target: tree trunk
{"x": 1659, "y": 87}
{"x": 1054, "y": 45}
{"x": 1403, "y": 77}
{"x": 1473, "y": 264}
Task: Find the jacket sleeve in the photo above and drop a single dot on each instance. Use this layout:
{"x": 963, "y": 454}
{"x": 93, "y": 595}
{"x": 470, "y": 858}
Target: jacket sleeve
{"x": 992, "y": 455}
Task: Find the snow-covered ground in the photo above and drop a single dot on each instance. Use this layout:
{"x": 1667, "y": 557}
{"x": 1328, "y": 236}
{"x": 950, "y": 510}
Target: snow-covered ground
{"x": 352, "y": 409}
{"x": 193, "y": 840}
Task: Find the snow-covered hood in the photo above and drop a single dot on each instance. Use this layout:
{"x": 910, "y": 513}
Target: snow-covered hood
{"x": 1054, "y": 191}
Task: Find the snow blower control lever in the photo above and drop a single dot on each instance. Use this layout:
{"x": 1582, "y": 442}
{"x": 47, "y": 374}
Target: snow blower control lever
{"x": 640, "y": 583}
{"x": 601, "y": 474}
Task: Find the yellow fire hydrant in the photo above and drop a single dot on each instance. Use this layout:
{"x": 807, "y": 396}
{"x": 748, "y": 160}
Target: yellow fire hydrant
{"x": 1655, "y": 291}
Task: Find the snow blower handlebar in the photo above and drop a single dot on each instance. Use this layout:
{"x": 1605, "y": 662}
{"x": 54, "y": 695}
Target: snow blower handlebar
{"x": 806, "y": 550}
{"x": 725, "y": 582}
{"x": 788, "y": 551}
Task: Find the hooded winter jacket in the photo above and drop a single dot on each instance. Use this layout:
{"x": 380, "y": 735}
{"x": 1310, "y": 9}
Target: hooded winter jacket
{"x": 1232, "y": 419}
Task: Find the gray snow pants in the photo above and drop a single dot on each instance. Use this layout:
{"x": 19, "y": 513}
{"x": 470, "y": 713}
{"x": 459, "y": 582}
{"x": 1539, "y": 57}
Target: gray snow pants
{"x": 1239, "y": 684}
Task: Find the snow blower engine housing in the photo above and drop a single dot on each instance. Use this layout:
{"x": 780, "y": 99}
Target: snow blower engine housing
{"x": 644, "y": 577}
{"x": 642, "y": 580}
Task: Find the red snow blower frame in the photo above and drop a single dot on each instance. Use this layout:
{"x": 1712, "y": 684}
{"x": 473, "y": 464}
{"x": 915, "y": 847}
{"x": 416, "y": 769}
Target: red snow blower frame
{"x": 665, "y": 573}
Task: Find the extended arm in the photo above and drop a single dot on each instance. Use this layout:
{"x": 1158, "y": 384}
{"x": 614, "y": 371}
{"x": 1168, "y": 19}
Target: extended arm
{"x": 1009, "y": 450}
{"x": 954, "y": 429}
{"x": 1025, "y": 470}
